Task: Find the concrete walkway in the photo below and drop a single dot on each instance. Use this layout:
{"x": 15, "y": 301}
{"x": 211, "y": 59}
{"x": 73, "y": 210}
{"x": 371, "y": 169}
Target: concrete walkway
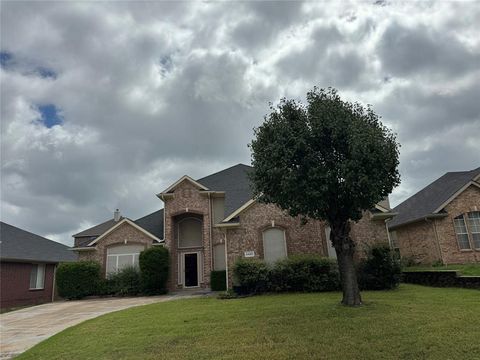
{"x": 22, "y": 329}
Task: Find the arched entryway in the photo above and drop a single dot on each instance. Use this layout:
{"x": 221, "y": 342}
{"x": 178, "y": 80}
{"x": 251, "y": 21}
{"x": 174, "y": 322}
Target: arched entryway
{"x": 189, "y": 242}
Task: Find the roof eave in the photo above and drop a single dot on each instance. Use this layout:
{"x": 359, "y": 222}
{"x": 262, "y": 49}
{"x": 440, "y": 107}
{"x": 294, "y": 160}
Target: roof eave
{"x": 83, "y": 248}
{"x": 226, "y": 225}
{"x": 34, "y": 260}
{"x": 423, "y": 218}
{"x": 382, "y": 216}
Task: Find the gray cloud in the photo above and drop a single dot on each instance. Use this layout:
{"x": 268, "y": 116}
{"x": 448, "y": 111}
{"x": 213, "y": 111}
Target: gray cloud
{"x": 408, "y": 50}
{"x": 152, "y": 91}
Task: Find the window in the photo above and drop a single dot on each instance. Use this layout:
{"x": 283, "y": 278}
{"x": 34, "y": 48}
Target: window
{"x": 189, "y": 232}
{"x": 274, "y": 245}
{"x": 37, "y": 276}
{"x": 474, "y": 227}
{"x": 462, "y": 233}
{"x": 122, "y": 256}
{"x": 219, "y": 257}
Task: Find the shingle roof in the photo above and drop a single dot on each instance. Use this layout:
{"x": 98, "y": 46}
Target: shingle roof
{"x": 234, "y": 181}
{"x": 97, "y": 230}
{"x": 427, "y": 200}
{"x": 18, "y": 244}
{"x": 153, "y": 223}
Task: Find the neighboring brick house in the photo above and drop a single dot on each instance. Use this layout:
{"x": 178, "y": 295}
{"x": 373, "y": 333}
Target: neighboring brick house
{"x": 28, "y": 263}
{"x": 441, "y": 223}
{"x": 209, "y": 223}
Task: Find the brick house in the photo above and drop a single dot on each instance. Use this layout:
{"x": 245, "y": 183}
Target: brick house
{"x": 441, "y": 223}
{"x": 209, "y": 223}
{"x": 28, "y": 262}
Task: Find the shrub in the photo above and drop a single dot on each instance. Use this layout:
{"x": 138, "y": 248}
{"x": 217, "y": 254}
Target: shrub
{"x": 218, "y": 280}
{"x": 307, "y": 273}
{"x": 126, "y": 282}
{"x": 407, "y": 261}
{"x": 437, "y": 263}
{"x": 380, "y": 270}
{"x": 154, "y": 269}
{"x": 250, "y": 276}
{"x": 78, "y": 279}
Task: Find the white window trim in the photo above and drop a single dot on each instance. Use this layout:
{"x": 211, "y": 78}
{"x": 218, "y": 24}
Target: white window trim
{"x": 181, "y": 272}
{"x": 178, "y": 234}
{"x": 467, "y": 225}
{"x": 465, "y": 233}
{"x": 36, "y": 282}
{"x": 284, "y": 239}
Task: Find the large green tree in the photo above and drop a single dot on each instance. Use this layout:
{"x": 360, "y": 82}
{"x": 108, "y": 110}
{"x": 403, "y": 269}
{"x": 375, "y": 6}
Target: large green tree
{"x": 328, "y": 159}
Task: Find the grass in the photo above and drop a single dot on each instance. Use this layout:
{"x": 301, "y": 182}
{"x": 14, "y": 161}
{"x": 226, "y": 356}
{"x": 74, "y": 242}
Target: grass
{"x": 464, "y": 269}
{"x": 412, "y": 322}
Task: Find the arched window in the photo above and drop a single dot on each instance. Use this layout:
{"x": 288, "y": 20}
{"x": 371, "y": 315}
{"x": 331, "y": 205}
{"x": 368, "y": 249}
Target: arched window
{"x": 122, "y": 256}
{"x": 274, "y": 245}
{"x": 189, "y": 232}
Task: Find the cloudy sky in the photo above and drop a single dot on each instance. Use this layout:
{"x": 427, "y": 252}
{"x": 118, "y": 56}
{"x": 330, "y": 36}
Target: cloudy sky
{"x": 105, "y": 104}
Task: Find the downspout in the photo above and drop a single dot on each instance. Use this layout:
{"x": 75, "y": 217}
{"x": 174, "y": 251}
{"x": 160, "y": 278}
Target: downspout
{"x": 437, "y": 242}
{"x": 225, "y": 230}
{"x": 210, "y": 208}
{"x": 54, "y": 280}
{"x": 164, "y": 217}
{"x": 388, "y": 234}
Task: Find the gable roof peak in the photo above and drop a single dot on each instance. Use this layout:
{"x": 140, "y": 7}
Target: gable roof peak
{"x": 433, "y": 197}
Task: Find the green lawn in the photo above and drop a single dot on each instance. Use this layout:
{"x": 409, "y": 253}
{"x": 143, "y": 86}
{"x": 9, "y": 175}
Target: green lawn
{"x": 413, "y": 322}
{"x": 465, "y": 269}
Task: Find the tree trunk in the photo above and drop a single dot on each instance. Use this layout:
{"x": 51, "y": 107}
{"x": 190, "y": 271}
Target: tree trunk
{"x": 345, "y": 248}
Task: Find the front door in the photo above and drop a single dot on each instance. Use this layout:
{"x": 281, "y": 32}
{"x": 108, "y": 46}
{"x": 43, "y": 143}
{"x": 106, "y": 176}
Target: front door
{"x": 191, "y": 269}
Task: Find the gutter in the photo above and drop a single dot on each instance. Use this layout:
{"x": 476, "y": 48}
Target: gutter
{"x": 430, "y": 216}
{"x": 226, "y": 225}
{"x": 382, "y": 216}
{"x": 85, "y": 248}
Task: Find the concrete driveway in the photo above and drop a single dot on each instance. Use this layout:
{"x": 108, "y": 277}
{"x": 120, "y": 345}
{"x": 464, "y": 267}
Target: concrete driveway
{"x": 22, "y": 329}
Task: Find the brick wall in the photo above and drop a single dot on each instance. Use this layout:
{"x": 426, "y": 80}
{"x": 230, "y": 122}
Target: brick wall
{"x": 15, "y": 285}
{"x": 367, "y": 232}
{"x": 419, "y": 240}
{"x": 309, "y": 238}
{"x": 124, "y": 233}
{"x": 187, "y": 199}
{"x": 469, "y": 200}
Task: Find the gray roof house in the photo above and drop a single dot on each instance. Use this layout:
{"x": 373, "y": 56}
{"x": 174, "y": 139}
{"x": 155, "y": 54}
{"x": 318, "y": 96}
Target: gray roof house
{"x": 21, "y": 245}
{"x": 441, "y": 222}
{"x": 28, "y": 262}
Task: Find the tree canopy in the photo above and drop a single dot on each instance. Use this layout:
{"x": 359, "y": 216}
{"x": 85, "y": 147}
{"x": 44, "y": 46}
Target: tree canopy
{"x": 329, "y": 159}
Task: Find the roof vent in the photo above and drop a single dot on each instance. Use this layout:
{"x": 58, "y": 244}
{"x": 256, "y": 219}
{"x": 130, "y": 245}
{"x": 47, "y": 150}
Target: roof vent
{"x": 116, "y": 215}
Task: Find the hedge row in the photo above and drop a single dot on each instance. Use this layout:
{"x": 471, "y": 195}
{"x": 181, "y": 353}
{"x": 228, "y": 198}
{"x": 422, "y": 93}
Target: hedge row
{"x": 300, "y": 273}
{"x": 380, "y": 270}
{"x": 80, "y": 279}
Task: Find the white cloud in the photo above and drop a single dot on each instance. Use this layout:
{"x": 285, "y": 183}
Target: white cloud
{"x": 151, "y": 91}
